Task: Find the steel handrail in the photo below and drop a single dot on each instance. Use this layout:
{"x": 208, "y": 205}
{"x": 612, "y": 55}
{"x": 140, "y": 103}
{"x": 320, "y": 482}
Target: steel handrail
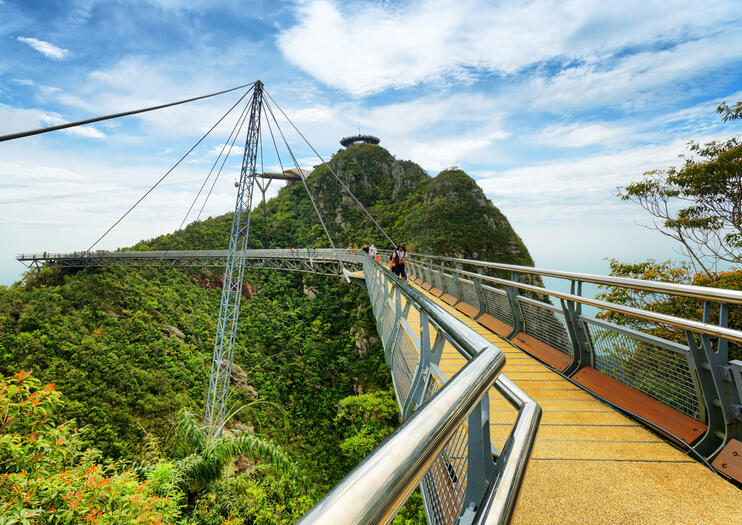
{"x": 732, "y": 296}
{"x": 498, "y": 503}
{"x": 686, "y": 290}
{"x": 156, "y": 254}
{"x": 375, "y": 490}
{"x": 687, "y": 324}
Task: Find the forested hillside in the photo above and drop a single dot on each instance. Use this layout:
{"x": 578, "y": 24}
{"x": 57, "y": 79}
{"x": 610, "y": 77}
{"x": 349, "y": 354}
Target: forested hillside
{"x": 447, "y": 214}
{"x": 130, "y": 348}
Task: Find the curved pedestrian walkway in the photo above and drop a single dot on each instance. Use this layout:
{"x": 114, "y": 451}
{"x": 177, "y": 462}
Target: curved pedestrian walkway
{"x": 591, "y": 463}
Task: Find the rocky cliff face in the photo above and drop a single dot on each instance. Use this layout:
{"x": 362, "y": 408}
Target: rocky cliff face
{"x": 447, "y": 214}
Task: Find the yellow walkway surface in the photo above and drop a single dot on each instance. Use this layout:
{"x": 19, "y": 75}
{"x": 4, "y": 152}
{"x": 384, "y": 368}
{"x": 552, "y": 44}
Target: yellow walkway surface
{"x": 590, "y": 463}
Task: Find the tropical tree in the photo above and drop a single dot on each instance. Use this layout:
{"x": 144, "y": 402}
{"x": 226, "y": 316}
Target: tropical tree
{"x": 47, "y": 476}
{"x": 699, "y": 204}
{"x": 202, "y": 457}
{"x": 365, "y": 421}
{"x": 686, "y": 307}
{"x": 728, "y": 112}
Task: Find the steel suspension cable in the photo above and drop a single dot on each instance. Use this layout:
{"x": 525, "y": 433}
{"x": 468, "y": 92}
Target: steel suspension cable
{"x": 208, "y": 176}
{"x": 66, "y": 125}
{"x": 280, "y": 163}
{"x": 54, "y": 197}
{"x": 224, "y": 161}
{"x": 304, "y": 180}
{"x": 333, "y": 172}
{"x": 263, "y": 189}
{"x": 170, "y": 170}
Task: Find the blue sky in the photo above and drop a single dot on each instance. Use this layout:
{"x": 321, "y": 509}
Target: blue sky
{"x": 550, "y": 105}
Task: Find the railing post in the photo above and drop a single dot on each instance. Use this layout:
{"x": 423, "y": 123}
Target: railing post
{"x": 480, "y": 294}
{"x": 457, "y": 286}
{"x": 581, "y": 349}
{"x": 512, "y": 293}
{"x": 422, "y": 372}
{"x": 439, "y": 283}
{"x": 717, "y": 385}
{"x": 480, "y": 464}
{"x": 730, "y": 392}
{"x": 735, "y": 370}
{"x": 399, "y": 313}
{"x": 388, "y": 345}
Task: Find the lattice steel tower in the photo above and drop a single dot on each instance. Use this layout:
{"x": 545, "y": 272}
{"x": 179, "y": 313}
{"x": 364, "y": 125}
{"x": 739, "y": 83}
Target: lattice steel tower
{"x": 229, "y": 308}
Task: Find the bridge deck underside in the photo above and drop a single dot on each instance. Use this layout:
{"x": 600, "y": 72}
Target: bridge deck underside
{"x": 590, "y": 463}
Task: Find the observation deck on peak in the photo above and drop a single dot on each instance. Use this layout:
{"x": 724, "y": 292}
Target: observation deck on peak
{"x": 359, "y": 139}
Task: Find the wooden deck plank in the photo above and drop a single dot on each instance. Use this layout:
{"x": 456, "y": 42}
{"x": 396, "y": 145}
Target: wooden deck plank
{"x": 686, "y": 428}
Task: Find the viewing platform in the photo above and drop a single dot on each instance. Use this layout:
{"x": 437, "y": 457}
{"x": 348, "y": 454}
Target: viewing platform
{"x": 359, "y": 139}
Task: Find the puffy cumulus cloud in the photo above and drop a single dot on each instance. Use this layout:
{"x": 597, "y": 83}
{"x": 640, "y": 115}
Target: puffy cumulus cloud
{"x": 366, "y": 48}
{"x": 436, "y": 132}
{"x": 45, "y": 48}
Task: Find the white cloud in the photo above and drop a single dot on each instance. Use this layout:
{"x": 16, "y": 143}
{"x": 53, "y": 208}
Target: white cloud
{"x": 53, "y": 119}
{"x": 549, "y": 187}
{"x": 444, "y": 152}
{"x": 118, "y": 87}
{"x": 47, "y": 90}
{"x": 583, "y": 177}
{"x": 365, "y": 48}
{"x": 632, "y": 81}
{"x": 90, "y": 194}
{"x": 579, "y": 134}
{"x": 436, "y": 132}
{"x": 13, "y": 120}
{"x": 236, "y": 151}
{"x": 45, "y": 48}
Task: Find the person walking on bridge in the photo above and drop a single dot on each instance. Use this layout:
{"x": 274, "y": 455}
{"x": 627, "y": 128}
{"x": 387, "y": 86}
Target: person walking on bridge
{"x": 372, "y": 251}
{"x": 400, "y": 257}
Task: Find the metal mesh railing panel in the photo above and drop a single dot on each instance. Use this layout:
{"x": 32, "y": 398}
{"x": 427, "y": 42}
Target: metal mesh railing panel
{"x": 414, "y": 272}
{"x": 444, "y": 484}
{"x": 374, "y": 293}
{"x": 405, "y": 361}
{"x": 428, "y": 275}
{"x": 380, "y": 300}
{"x": 546, "y": 323}
{"x": 449, "y": 286}
{"x": 469, "y": 292}
{"x": 658, "y": 372}
{"x": 498, "y": 304}
{"x": 387, "y": 322}
{"x": 438, "y": 279}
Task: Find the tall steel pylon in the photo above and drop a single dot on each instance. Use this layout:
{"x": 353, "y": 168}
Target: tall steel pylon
{"x": 229, "y": 308}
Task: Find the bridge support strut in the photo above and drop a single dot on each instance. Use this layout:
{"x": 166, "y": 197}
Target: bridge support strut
{"x": 229, "y": 307}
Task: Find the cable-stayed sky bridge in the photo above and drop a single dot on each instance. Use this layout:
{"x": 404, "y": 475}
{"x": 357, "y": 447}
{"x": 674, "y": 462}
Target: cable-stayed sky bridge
{"x": 516, "y": 406}
{"x": 629, "y": 424}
